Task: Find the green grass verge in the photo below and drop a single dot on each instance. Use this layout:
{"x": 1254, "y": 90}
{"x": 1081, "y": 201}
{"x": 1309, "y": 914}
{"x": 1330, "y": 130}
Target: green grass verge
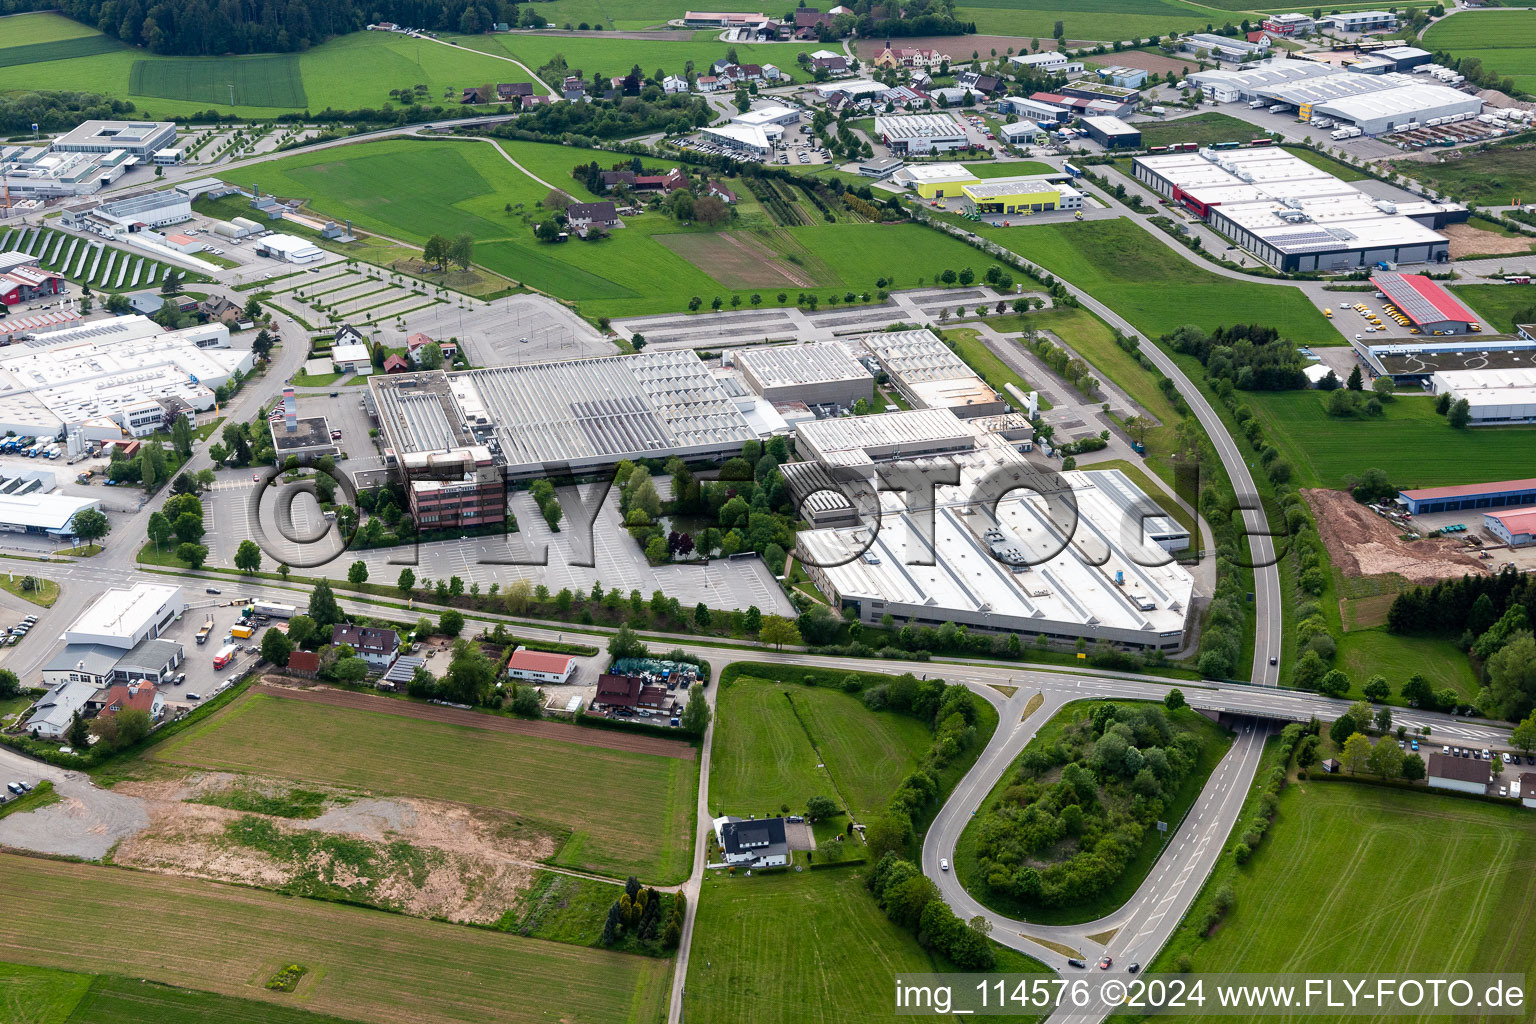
{"x": 970, "y": 347}
{"x": 967, "y": 866}
{"x": 564, "y": 789}
{"x": 1505, "y": 41}
{"x": 41, "y": 796}
{"x": 1203, "y": 129}
{"x": 46, "y": 592}
{"x": 1363, "y": 653}
{"x": 1499, "y": 304}
{"x": 1497, "y": 176}
{"x": 1467, "y": 865}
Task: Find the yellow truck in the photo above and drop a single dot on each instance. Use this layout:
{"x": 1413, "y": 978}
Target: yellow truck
{"x": 242, "y": 631}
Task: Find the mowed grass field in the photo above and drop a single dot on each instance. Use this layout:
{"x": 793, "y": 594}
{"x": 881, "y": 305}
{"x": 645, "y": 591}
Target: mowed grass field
{"x": 1498, "y": 176}
{"x": 49, "y": 51}
{"x": 1499, "y": 304}
{"x": 1452, "y": 884}
{"x": 1089, "y": 19}
{"x": 1157, "y": 289}
{"x": 596, "y": 52}
{"x": 363, "y": 965}
{"x": 625, "y": 813}
{"x": 1505, "y": 41}
{"x": 764, "y": 755}
{"x": 1365, "y": 652}
{"x": 409, "y": 190}
{"x": 1414, "y": 444}
{"x": 1203, "y": 128}
{"x": 806, "y": 948}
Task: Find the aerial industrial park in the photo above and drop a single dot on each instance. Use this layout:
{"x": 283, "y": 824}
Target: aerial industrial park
{"x": 618, "y": 512}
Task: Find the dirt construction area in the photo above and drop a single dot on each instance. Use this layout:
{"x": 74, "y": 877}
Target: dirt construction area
{"x": 1362, "y": 543}
{"x": 631, "y": 742}
{"x": 425, "y": 858}
{"x": 1467, "y": 240}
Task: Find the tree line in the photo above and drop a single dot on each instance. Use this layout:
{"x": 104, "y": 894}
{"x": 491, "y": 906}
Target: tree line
{"x": 213, "y": 27}
{"x": 1253, "y": 357}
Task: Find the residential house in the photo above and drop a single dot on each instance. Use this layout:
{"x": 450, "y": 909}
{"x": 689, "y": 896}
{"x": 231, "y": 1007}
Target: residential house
{"x": 988, "y": 85}
{"x": 396, "y": 363}
{"x": 836, "y": 64}
{"x": 377, "y": 646}
{"x": 836, "y": 102}
{"x": 909, "y": 57}
{"x": 220, "y": 309}
{"x": 674, "y": 84}
{"x": 418, "y": 341}
{"x": 138, "y": 696}
{"x": 809, "y": 22}
{"x": 616, "y": 691}
{"x": 1525, "y": 789}
{"x": 513, "y": 92}
{"x": 583, "y": 216}
{"x": 752, "y": 842}
{"x": 707, "y": 83}
{"x": 399, "y": 675}
{"x": 540, "y": 666}
{"x": 346, "y": 334}
{"x": 772, "y": 73}
{"x": 55, "y": 710}
{"x": 82, "y": 663}
{"x": 303, "y": 663}
{"x": 719, "y": 191}
{"x": 906, "y": 97}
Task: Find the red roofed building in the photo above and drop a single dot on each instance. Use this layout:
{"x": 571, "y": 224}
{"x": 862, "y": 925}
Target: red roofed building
{"x": 1503, "y": 494}
{"x": 303, "y": 663}
{"x": 24, "y": 284}
{"x": 541, "y": 666}
{"x": 139, "y": 696}
{"x": 394, "y": 363}
{"x": 1425, "y": 302}
{"x": 616, "y": 691}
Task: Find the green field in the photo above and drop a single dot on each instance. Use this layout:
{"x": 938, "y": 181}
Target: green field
{"x": 967, "y": 857}
{"x": 1497, "y": 176}
{"x": 363, "y": 965}
{"x": 1091, "y": 19}
{"x": 1411, "y": 442}
{"x": 1452, "y": 883}
{"x": 1008, "y": 168}
{"x": 598, "y": 53}
{"x": 806, "y": 948}
{"x": 764, "y": 756}
{"x": 642, "y": 827}
{"x": 347, "y": 73}
{"x": 1499, "y": 304}
{"x": 1203, "y": 128}
{"x": 1367, "y": 652}
{"x": 253, "y": 82}
{"x": 1339, "y": 170}
{"x": 1155, "y": 289}
{"x": 409, "y": 190}
{"x": 1505, "y": 41}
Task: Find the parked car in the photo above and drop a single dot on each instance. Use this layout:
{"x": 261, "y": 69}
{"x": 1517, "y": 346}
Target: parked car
{"x": 193, "y": 696}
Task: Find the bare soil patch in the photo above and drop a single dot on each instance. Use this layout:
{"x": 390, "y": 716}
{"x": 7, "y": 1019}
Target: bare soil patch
{"x": 614, "y": 740}
{"x": 1159, "y": 63}
{"x": 425, "y": 858}
{"x": 1467, "y": 240}
{"x": 735, "y": 263}
{"x": 1361, "y": 543}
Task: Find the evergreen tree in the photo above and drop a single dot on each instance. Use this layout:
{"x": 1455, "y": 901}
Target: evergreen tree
{"x": 323, "y": 607}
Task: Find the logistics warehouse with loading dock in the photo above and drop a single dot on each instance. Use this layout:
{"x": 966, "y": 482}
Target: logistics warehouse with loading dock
{"x": 1294, "y": 216}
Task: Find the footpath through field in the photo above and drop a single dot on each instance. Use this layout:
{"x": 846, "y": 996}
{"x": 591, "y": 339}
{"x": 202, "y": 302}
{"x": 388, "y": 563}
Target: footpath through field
{"x": 625, "y": 741}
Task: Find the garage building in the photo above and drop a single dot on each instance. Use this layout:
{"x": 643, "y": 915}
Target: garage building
{"x": 1432, "y": 308}
{"x": 1500, "y": 494}
{"x": 1517, "y": 529}
{"x": 1462, "y": 774}
{"x": 290, "y": 249}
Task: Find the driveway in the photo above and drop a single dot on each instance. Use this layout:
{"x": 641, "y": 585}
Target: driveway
{"x": 87, "y": 822}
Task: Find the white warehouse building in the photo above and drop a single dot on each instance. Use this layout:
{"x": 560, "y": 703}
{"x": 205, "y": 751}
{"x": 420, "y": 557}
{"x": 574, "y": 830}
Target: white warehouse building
{"x": 920, "y": 133}
{"x": 123, "y": 617}
{"x": 1494, "y": 397}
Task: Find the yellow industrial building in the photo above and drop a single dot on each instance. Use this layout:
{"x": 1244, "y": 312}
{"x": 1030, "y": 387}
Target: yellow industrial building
{"x": 1025, "y": 195}
{"x": 935, "y": 181}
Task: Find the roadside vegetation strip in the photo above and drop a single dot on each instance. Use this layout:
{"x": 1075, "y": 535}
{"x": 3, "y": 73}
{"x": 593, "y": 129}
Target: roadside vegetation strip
{"x": 41, "y": 592}
{"x": 636, "y": 744}
{"x": 1039, "y": 768}
{"x": 369, "y": 966}
{"x": 40, "y": 796}
{"x": 567, "y": 789}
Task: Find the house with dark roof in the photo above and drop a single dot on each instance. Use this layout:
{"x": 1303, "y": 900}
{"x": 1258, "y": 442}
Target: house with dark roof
{"x": 508, "y": 92}
{"x": 977, "y": 82}
{"x": 836, "y": 64}
{"x": 377, "y": 646}
{"x": 582, "y": 216}
{"x": 752, "y": 842}
{"x": 616, "y": 691}
{"x": 221, "y": 310}
{"x": 808, "y": 20}
{"x": 346, "y": 334}
{"x": 1462, "y": 774}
